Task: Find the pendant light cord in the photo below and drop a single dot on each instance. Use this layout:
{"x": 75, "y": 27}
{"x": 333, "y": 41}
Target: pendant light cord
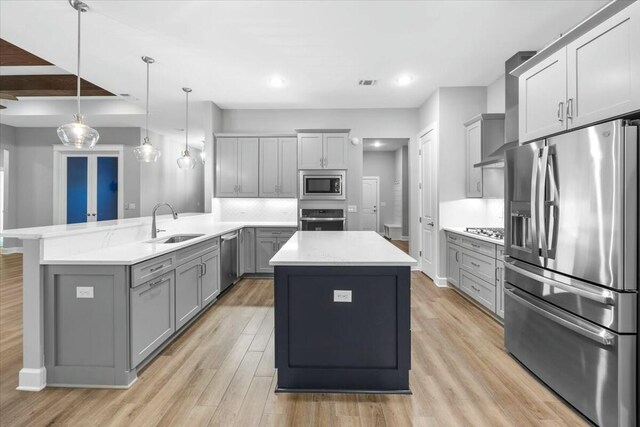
{"x": 147, "y": 126}
{"x": 186, "y": 149}
{"x": 78, "y": 80}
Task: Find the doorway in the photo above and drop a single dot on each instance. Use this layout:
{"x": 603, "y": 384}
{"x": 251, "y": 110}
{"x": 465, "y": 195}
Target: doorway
{"x": 88, "y": 187}
{"x": 370, "y": 218}
{"x": 428, "y": 208}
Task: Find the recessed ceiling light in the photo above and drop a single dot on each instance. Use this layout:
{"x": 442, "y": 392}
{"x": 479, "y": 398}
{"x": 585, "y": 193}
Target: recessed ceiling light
{"x": 377, "y": 144}
{"x": 404, "y": 80}
{"x": 276, "y": 82}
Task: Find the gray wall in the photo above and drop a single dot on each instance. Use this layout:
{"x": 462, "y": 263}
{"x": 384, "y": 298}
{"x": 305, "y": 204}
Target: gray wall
{"x": 382, "y": 164}
{"x": 364, "y": 123}
{"x": 8, "y": 142}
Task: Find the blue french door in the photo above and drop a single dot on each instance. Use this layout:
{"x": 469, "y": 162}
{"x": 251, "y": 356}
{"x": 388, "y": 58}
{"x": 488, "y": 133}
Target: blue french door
{"x": 91, "y": 188}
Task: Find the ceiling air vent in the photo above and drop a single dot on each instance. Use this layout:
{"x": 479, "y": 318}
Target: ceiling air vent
{"x": 368, "y": 82}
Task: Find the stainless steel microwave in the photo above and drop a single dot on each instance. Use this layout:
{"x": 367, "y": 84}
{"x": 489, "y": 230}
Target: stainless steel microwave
{"x": 323, "y": 185}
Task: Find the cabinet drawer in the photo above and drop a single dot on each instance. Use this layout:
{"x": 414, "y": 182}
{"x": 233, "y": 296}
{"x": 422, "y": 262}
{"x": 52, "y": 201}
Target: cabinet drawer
{"x": 454, "y": 238}
{"x": 479, "y": 265}
{"x": 147, "y": 270}
{"x": 478, "y": 289}
{"x": 485, "y": 248}
{"x": 275, "y": 232}
{"x": 152, "y": 316}
{"x": 191, "y": 252}
{"x": 499, "y": 252}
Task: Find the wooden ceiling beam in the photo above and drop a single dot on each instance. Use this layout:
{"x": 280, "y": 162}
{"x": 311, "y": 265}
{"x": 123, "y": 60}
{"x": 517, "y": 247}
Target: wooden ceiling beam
{"x": 12, "y": 55}
{"x": 48, "y": 85}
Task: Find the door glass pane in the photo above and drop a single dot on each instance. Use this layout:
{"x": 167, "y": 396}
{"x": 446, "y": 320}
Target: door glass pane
{"x": 76, "y": 190}
{"x": 107, "y": 188}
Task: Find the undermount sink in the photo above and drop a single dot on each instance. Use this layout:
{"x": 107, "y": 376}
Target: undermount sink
{"x": 177, "y": 238}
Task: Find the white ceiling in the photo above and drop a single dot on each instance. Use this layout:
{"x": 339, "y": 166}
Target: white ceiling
{"x": 383, "y": 144}
{"x": 227, "y": 51}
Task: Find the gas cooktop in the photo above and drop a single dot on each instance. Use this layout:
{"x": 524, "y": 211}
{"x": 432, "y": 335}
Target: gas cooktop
{"x": 494, "y": 233}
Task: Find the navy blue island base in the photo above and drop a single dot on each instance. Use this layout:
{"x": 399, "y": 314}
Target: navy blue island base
{"x": 326, "y": 344}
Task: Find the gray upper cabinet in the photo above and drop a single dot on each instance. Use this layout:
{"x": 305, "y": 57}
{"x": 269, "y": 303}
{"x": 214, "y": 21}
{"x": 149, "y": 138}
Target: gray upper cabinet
{"x": 592, "y": 78}
{"x": 322, "y": 150}
{"x": 473, "y": 134}
{"x": 542, "y": 92}
{"x": 188, "y": 302}
{"x": 210, "y": 278}
{"x": 152, "y": 316}
{"x": 247, "y": 251}
{"x": 237, "y": 167}
{"x": 278, "y": 167}
{"x": 603, "y": 68}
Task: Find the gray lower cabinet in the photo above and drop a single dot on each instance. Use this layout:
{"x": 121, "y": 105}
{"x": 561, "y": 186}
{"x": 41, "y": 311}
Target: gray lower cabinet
{"x": 210, "y": 279}
{"x": 247, "y": 255}
{"x": 152, "y": 316}
{"x": 478, "y": 289}
{"x": 188, "y": 291}
{"x": 268, "y": 242}
{"x": 453, "y": 265}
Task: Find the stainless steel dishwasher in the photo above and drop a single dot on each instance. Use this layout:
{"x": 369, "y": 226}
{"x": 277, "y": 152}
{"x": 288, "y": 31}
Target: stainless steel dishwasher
{"x": 228, "y": 260}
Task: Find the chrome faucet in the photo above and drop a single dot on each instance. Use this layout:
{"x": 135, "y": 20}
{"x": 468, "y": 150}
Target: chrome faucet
{"x": 154, "y": 230}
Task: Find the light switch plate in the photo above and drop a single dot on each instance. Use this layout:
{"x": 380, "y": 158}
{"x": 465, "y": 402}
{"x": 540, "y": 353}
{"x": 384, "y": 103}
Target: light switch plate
{"x": 341, "y": 296}
{"x": 352, "y": 208}
{"x": 84, "y": 291}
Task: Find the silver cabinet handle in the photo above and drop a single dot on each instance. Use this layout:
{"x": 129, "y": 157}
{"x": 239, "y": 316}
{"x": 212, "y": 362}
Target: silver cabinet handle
{"x": 156, "y": 283}
{"x": 475, "y": 265}
{"x": 457, "y": 259}
{"x": 604, "y": 297}
{"x": 475, "y": 245}
{"x": 475, "y": 289}
{"x": 156, "y": 268}
{"x": 570, "y": 109}
{"x": 204, "y": 268}
{"x": 578, "y": 326}
{"x": 560, "y": 111}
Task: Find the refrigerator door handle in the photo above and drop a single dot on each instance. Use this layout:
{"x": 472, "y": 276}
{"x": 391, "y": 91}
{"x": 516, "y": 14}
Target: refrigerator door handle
{"x": 553, "y": 204}
{"x": 603, "y": 297}
{"x": 542, "y": 210}
{"x": 593, "y": 333}
{"x": 534, "y": 203}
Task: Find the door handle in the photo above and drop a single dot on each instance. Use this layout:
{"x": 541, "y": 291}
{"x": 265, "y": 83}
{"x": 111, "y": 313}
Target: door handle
{"x": 431, "y": 224}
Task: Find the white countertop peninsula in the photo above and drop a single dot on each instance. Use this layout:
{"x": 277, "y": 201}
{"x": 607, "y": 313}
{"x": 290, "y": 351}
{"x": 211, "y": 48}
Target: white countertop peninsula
{"x": 340, "y": 248}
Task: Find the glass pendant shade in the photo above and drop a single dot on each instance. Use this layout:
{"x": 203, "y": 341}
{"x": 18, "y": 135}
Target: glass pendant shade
{"x": 77, "y": 134}
{"x": 186, "y": 161}
{"x": 203, "y": 156}
{"x": 146, "y": 152}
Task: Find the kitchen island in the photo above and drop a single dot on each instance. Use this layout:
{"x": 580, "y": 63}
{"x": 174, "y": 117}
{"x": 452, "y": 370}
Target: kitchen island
{"x": 342, "y": 313}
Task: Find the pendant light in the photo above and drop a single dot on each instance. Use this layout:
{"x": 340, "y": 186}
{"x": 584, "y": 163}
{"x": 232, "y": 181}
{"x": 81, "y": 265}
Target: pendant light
{"x": 203, "y": 154}
{"x": 186, "y": 161}
{"x": 146, "y": 152}
{"x": 77, "y": 134}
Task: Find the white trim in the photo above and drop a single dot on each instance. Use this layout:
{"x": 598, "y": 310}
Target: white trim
{"x": 31, "y": 379}
{"x": 97, "y": 386}
{"x": 59, "y": 175}
{"x": 377, "y": 179}
{"x": 404, "y": 238}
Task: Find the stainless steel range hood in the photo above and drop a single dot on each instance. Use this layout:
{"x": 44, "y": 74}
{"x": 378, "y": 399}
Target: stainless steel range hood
{"x": 496, "y": 157}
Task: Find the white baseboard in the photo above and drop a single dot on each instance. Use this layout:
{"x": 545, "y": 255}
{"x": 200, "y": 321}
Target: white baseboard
{"x": 8, "y": 251}
{"x": 441, "y": 282}
{"x": 404, "y": 238}
{"x": 30, "y": 379}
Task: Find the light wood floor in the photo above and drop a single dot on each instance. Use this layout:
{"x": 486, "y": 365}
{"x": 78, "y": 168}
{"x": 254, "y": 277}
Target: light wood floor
{"x": 220, "y": 372}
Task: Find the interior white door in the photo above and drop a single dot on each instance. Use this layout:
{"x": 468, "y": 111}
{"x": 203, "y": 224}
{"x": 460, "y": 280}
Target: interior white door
{"x": 428, "y": 232}
{"x": 370, "y": 215}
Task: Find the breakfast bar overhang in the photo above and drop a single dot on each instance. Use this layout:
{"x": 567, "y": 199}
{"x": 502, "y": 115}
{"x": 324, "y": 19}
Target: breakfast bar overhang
{"x": 342, "y": 313}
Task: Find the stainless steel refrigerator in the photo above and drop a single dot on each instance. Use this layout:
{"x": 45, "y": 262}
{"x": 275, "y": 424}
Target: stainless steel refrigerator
{"x": 571, "y": 244}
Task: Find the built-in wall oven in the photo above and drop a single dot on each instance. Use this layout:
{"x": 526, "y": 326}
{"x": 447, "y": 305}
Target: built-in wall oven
{"x": 322, "y": 220}
{"x": 322, "y": 185}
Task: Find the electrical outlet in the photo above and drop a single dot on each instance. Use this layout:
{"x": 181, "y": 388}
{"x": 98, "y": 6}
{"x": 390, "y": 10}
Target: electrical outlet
{"x": 341, "y": 296}
{"x": 84, "y": 291}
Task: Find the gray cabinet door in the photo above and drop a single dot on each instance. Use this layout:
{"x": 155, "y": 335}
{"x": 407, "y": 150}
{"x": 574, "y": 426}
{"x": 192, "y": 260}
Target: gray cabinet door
{"x": 474, "y": 155}
{"x": 500, "y": 289}
{"x": 453, "y": 266}
{"x": 226, "y": 167}
{"x": 248, "y": 167}
{"x": 152, "y": 316}
{"x": 335, "y": 150}
{"x": 210, "y": 280}
{"x": 603, "y": 67}
{"x": 247, "y": 251}
{"x": 266, "y": 248}
{"x": 187, "y": 291}
{"x": 269, "y": 167}
{"x": 543, "y": 91}
{"x": 288, "y": 167}
{"x": 310, "y": 153}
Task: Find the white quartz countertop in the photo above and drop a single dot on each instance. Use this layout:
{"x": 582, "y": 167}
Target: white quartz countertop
{"x": 340, "y": 248}
{"x": 462, "y": 231}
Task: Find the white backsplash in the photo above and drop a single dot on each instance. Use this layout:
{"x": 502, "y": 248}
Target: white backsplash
{"x": 278, "y": 210}
{"x": 472, "y": 213}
